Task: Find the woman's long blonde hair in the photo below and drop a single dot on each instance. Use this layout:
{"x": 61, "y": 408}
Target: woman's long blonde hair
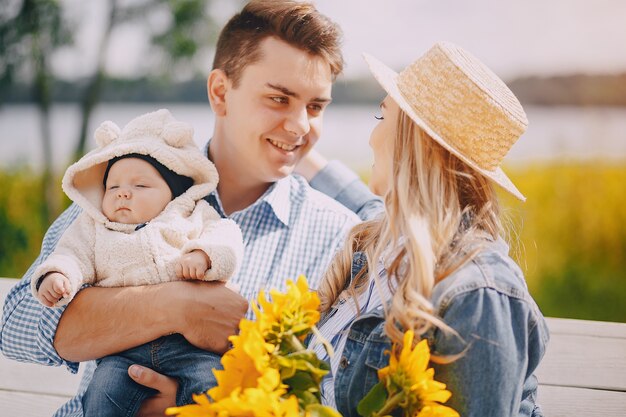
{"x": 437, "y": 207}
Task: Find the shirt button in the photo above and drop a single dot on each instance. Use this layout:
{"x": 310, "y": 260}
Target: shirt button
{"x": 344, "y": 362}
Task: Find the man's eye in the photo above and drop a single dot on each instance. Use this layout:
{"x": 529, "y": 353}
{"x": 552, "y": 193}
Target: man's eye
{"x": 316, "y": 108}
{"x": 280, "y": 100}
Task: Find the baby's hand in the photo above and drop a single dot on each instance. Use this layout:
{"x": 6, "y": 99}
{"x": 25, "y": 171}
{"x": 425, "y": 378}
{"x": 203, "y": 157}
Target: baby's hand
{"x": 193, "y": 265}
{"x": 53, "y": 287}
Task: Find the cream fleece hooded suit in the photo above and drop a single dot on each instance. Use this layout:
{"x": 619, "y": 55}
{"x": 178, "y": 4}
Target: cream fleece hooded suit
{"x": 97, "y": 251}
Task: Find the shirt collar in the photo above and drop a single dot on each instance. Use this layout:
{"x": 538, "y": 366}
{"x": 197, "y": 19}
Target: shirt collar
{"x": 277, "y": 197}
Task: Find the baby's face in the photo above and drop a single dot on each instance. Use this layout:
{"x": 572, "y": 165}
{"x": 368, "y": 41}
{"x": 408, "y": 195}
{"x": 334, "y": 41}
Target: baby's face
{"x": 135, "y": 192}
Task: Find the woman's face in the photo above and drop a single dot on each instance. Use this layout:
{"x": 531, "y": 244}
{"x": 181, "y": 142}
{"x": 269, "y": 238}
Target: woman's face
{"x": 381, "y": 142}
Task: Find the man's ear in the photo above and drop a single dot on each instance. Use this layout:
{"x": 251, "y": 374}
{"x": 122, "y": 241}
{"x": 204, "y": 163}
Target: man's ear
{"x": 217, "y": 84}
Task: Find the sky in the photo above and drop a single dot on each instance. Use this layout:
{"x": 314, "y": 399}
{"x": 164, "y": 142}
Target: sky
{"x": 513, "y": 37}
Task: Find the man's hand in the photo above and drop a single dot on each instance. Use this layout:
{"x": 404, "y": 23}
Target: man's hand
{"x": 214, "y": 317}
{"x": 193, "y": 265}
{"x": 167, "y": 387}
{"x": 53, "y": 287}
{"x": 104, "y": 321}
{"x": 311, "y": 164}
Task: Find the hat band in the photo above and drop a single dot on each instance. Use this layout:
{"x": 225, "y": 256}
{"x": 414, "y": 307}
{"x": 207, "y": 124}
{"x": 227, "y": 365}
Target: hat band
{"x": 472, "y": 123}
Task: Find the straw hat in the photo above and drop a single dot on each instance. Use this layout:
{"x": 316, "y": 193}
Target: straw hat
{"x": 461, "y": 104}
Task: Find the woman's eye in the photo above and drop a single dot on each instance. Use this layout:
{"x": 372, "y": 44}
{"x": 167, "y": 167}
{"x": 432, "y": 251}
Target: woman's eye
{"x": 379, "y": 118}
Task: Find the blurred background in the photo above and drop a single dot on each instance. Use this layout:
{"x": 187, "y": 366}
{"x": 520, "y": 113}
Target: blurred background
{"x": 68, "y": 65}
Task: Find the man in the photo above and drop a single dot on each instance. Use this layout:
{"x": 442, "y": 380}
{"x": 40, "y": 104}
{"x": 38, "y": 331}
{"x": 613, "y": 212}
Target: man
{"x": 274, "y": 66}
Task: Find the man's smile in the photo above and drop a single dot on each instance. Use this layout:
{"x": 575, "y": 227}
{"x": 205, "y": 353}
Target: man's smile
{"x": 283, "y": 146}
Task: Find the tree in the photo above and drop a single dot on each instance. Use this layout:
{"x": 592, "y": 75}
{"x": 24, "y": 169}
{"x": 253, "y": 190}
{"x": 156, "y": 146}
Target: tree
{"x": 32, "y": 31}
{"x": 28, "y": 38}
{"x": 178, "y": 41}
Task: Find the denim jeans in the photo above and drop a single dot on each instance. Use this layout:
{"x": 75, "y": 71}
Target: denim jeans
{"x": 113, "y": 393}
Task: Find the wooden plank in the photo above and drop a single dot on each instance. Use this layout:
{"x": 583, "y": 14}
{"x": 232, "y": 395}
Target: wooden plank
{"x": 585, "y": 361}
{"x": 37, "y": 379}
{"x": 554, "y": 401}
{"x": 583, "y": 373}
{"x": 27, "y": 377}
{"x": 24, "y": 404}
{"x": 568, "y": 402}
{"x": 586, "y": 327}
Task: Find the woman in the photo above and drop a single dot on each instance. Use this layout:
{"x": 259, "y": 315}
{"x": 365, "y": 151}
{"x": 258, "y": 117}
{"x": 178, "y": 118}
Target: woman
{"x": 435, "y": 261}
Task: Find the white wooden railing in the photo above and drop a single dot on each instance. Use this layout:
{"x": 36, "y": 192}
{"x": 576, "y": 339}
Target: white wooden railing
{"x": 582, "y": 374}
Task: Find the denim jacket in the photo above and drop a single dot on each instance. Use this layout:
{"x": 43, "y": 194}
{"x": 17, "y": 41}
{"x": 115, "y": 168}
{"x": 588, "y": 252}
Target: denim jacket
{"x": 504, "y": 337}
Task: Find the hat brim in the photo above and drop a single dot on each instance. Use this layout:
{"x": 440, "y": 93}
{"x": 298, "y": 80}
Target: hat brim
{"x": 387, "y": 77}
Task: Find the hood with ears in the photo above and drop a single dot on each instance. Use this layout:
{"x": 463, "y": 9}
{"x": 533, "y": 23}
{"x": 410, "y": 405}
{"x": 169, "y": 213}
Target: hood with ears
{"x": 156, "y": 134}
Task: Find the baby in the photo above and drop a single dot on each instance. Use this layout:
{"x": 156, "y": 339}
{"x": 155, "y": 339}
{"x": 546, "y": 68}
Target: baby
{"x": 144, "y": 221}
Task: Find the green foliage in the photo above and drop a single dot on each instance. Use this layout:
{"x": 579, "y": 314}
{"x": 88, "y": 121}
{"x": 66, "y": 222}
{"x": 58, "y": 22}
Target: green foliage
{"x": 29, "y": 32}
{"x": 572, "y": 237}
{"x": 21, "y": 221}
{"x": 569, "y": 237}
{"x": 373, "y": 401}
{"x": 187, "y": 20}
{"x": 13, "y": 237}
{"x": 191, "y": 28}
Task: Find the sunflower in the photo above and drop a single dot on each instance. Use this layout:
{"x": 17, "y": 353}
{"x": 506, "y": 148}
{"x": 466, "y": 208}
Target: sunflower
{"x": 267, "y": 372}
{"x": 245, "y": 365}
{"x": 293, "y": 313}
{"x": 411, "y": 385}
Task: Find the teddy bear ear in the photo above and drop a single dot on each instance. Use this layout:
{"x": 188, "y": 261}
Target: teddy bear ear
{"x": 177, "y": 134}
{"x": 106, "y": 133}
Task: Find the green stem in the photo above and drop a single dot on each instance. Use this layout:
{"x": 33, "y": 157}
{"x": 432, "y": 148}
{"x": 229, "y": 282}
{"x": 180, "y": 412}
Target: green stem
{"x": 295, "y": 344}
{"x": 389, "y": 406}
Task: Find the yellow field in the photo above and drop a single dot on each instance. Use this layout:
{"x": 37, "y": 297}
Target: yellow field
{"x": 569, "y": 237}
{"x": 572, "y": 240}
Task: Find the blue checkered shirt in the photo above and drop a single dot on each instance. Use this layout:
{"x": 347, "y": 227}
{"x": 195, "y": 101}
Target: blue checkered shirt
{"x": 291, "y": 230}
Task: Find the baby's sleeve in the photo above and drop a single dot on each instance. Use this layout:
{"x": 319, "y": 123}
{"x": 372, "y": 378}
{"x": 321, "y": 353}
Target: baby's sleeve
{"x": 73, "y": 257}
{"x": 221, "y": 240}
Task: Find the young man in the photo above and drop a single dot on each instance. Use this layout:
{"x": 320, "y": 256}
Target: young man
{"x": 273, "y": 70}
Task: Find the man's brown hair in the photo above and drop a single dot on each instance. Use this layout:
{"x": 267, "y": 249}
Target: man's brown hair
{"x": 296, "y": 23}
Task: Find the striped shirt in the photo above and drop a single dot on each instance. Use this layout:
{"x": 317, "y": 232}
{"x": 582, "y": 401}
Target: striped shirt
{"x": 291, "y": 230}
{"x": 335, "y": 325}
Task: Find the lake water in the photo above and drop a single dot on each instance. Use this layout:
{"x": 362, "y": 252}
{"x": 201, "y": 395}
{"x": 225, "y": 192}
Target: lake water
{"x": 554, "y": 132}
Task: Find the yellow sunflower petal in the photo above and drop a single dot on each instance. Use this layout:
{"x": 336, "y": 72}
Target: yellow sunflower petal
{"x": 438, "y": 396}
{"x": 406, "y": 348}
{"x": 420, "y": 356}
{"x": 437, "y": 410}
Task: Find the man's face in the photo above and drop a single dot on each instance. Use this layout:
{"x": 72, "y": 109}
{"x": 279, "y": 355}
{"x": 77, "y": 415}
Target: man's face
{"x": 274, "y": 116}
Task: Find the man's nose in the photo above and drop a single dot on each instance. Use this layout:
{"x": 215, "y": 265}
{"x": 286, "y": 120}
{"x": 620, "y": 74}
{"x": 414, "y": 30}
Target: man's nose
{"x": 297, "y": 122}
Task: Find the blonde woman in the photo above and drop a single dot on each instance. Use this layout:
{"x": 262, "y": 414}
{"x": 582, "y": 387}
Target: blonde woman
{"x": 435, "y": 261}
